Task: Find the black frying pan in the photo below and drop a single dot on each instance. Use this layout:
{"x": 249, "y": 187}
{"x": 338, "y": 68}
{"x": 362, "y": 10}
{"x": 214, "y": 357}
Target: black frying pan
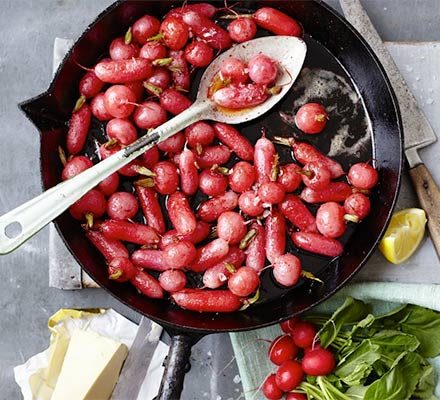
{"x": 333, "y": 45}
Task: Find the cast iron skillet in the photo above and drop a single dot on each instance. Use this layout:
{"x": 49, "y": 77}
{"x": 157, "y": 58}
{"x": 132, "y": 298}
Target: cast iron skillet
{"x": 334, "y": 45}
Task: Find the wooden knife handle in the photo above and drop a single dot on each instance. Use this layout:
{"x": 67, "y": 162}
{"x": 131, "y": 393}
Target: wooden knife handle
{"x": 429, "y": 197}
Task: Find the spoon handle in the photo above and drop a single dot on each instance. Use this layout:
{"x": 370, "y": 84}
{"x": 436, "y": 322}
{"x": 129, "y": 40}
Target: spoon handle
{"x": 20, "y": 224}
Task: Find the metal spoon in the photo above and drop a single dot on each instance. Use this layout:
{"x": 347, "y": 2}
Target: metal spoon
{"x": 22, "y": 223}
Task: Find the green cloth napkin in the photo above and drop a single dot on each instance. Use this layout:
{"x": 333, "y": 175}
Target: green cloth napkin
{"x": 251, "y": 352}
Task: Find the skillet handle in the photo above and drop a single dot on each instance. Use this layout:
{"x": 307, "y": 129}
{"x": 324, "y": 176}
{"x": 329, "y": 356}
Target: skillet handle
{"x": 429, "y": 197}
{"x": 178, "y": 357}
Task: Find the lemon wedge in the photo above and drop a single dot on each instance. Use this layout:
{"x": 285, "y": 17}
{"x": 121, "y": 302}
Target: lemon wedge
{"x": 404, "y": 234}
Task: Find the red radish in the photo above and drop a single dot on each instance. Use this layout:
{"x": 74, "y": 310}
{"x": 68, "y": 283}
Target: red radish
{"x": 144, "y": 28}
{"x": 297, "y": 213}
{"x": 198, "y": 235}
{"x": 231, "y": 227}
{"x": 318, "y": 362}
{"x": 256, "y": 250}
{"x": 121, "y": 130}
{"x": 242, "y": 177}
{"x": 128, "y": 232}
{"x": 316, "y": 176}
{"x": 75, "y": 166}
{"x": 150, "y": 157}
{"x": 363, "y": 176}
{"x": 199, "y": 54}
{"x": 97, "y": 106}
{"x": 232, "y": 138}
{"x": 149, "y": 115}
{"x": 166, "y": 178}
{"x": 174, "y": 32}
{"x": 244, "y": 282}
{"x": 109, "y": 248}
{"x": 93, "y": 202}
{"x": 199, "y": 134}
{"x": 123, "y": 71}
{"x": 174, "y": 144}
{"x": 137, "y": 88}
{"x": 122, "y": 205}
{"x": 289, "y": 177}
{"x": 121, "y": 269}
{"x": 151, "y": 208}
{"x": 119, "y": 50}
{"x": 90, "y": 85}
{"x": 189, "y": 176}
{"x": 109, "y": 185}
{"x": 270, "y": 389}
{"x": 79, "y": 125}
{"x": 335, "y": 191}
{"x": 250, "y": 204}
{"x": 158, "y": 82}
{"x": 271, "y": 193}
{"x": 119, "y": 101}
{"x": 211, "y": 209}
{"x": 213, "y": 155}
{"x": 179, "y": 70}
{"x": 234, "y": 70}
{"x": 210, "y": 255}
{"x": 239, "y": 96}
{"x": 153, "y": 50}
{"x": 277, "y": 22}
{"x": 150, "y": 259}
{"x": 275, "y": 226}
{"x": 242, "y": 29}
{"x": 318, "y": 244}
{"x": 147, "y": 285}
{"x": 311, "y": 118}
{"x": 282, "y": 349}
{"x": 296, "y": 396}
{"x": 174, "y": 101}
{"x": 206, "y": 9}
{"x": 180, "y": 213}
{"x": 287, "y": 270}
{"x": 289, "y": 375}
{"x": 212, "y": 183}
{"x": 357, "y": 204}
{"x": 172, "y": 280}
{"x": 330, "y": 220}
{"x": 207, "y": 300}
{"x": 262, "y": 69}
{"x": 286, "y": 326}
{"x": 264, "y": 157}
{"x": 304, "y": 334}
{"x": 180, "y": 254}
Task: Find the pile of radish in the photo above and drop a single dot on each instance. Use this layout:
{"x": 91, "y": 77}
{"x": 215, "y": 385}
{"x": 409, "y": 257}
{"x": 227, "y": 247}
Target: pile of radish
{"x": 250, "y": 211}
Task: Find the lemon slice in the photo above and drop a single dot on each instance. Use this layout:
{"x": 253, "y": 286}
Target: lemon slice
{"x": 404, "y": 234}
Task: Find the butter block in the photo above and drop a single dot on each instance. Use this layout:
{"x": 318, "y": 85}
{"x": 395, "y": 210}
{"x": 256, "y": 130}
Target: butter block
{"x": 91, "y": 367}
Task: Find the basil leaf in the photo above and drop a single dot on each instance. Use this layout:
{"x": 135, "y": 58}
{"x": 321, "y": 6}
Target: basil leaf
{"x": 426, "y": 385}
{"x": 356, "y": 392}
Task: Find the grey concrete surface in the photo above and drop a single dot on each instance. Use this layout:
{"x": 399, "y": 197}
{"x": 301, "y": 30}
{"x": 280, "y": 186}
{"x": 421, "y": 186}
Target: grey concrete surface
{"x": 27, "y": 31}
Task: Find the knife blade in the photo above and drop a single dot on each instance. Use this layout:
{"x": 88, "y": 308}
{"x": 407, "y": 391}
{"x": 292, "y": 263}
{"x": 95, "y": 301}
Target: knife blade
{"x": 418, "y": 133}
{"x": 138, "y": 360}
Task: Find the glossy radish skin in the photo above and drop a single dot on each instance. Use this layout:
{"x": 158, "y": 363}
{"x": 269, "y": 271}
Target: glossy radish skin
{"x": 282, "y": 349}
{"x": 256, "y": 250}
{"x": 175, "y": 32}
{"x": 122, "y": 130}
{"x": 298, "y": 214}
{"x": 311, "y": 118}
{"x": 118, "y": 101}
{"x": 244, "y": 282}
{"x": 304, "y": 334}
{"x": 109, "y": 185}
{"x": 363, "y": 176}
{"x": 153, "y": 50}
{"x": 121, "y": 269}
{"x": 109, "y": 248}
{"x": 213, "y": 155}
{"x": 119, "y": 50}
{"x": 271, "y": 193}
{"x": 289, "y": 177}
{"x": 357, "y": 204}
{"x": 137, "y": 88}
{"x": 174, "y": 101}
{"x": 124, "y": 71}
{"x": 289, "y": 375}
{"x": 90, "y": 85}
{"x": 79, "y": 125}
{"x": 232, "y": 138}
{"x": 97, "y": 106}
{"x": 296, "y": 396}
{"x": 206, "y": 9}
{"x": 242, "y": 29}
{"x": 287, "y": 270}
{"x": 316, "y": 176}
{"x": 149, "y": 115}
{"x": 198, "y": 235}
{"x": 270, "y": 389}
{"x": 179, "y": 70}
{"x": 144, "y": 28}
{"x": 242, "y": 177}
{"x": 172, "y": 280}
{"x": 212, "y": 183}
{"x": 211, "y": 209}
{"x": 335, "y": 191}
{"x": 180, "y": 254}
{"x": 128, "y": 232}
{"x": 217, "y": 275}
{"x": 264, "y": 155}
{"x": 262, "y": 69}
{"x": 287, "y": 326}
{"x": 147, "y": 285}
{"x": 158, "y": 82}
{"x": 234, "y": 70}
{"x": 208, "y": 31}
{"x": 318, "y": 244}
{"x": 330, "y": 220}
{"x": 231, "y": 227}
{"x": 250, "y": 204}
{"x": 277, "y": 22}
{"x": 150, "y": 157}
{"x": 199, "y": 134}
{"x": 239, "y": 96}
{"x": 318, "y": 362}
{"x": 180, "y": 213}
{"x": 275, "y": 227}
{"x": 122, "y": 205}
{"x": 174, "y": 144}
{"x": 166, "y": 180}
{"x": 207, "y": 300}
{"x": 150, "y": 259}
{"x": 210, "y": 255}
{"x": 75, "y": 166}
{"x": 189, "y": 176}
{"x": 151, "y": 208}
{"x": 199, "y": 54}
{"x": 93, "y": 202}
